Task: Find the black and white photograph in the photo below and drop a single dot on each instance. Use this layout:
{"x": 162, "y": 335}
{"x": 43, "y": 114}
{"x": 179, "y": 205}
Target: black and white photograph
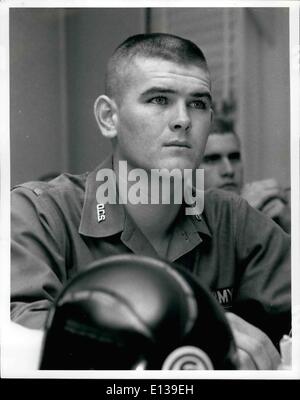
{"x": 150, "y": 191}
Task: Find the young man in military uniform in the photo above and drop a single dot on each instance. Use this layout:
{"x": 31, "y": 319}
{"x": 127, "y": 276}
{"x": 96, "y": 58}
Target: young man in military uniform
{"x": 157, "y": 112}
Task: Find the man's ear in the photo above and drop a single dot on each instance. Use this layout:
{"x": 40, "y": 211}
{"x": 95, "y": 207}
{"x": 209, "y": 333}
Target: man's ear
{"x": 105, "y": 110}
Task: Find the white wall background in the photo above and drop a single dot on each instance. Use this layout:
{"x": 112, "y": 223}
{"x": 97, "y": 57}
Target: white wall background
{"x": 57, "y": 63}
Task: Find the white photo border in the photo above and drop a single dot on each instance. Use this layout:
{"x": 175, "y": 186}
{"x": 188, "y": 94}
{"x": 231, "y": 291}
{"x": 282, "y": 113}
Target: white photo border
{"x": 5, "y": 189}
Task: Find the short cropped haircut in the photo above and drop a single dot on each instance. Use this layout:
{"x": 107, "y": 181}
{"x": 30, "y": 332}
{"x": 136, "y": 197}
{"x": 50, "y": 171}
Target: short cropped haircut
{"x": 152, "y": 45}
{"x": 222, "y": 125}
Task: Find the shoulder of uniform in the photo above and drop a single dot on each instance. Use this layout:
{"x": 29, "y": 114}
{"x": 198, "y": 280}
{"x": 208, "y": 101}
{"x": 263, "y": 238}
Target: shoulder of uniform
{"x": 220, "y": 202}
{"x": 35, "y": 187}
{"x": 220, "y": 196}
{"x": 60, "y": 183}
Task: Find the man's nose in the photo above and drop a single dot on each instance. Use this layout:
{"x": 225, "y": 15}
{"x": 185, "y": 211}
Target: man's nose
{"x": 226, "y": 167}
{"x": 181, "y": 120}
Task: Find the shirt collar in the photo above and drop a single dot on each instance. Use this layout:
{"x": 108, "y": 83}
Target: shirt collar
{"x": 115, "y": 216}
{"x": 199, "y": 224}
{"x": 114, "y": 213}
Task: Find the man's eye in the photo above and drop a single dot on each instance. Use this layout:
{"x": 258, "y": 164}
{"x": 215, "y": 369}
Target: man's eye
{"x": 235, "y": 156}
{"x": 212, "y": 158}
{"x": 200, "y": 104}
{"x": 161, "y": 100}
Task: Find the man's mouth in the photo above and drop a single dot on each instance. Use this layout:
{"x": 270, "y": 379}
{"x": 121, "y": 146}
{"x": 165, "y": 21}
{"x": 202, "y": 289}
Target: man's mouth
{"x": 178, "y": 143}
{"x": 229, "y": 186}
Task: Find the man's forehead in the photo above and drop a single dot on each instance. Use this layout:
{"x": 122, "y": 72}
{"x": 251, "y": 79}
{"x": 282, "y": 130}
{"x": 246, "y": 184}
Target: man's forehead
{"x": 222, "y": 143}
{"x": 159, "y": 69}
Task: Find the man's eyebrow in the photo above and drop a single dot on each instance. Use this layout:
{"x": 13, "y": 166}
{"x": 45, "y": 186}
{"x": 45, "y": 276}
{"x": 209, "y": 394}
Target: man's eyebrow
{"x": 158, "y": 89}
{"x": 202, "y": 94}
{"x": 212, "y": 155}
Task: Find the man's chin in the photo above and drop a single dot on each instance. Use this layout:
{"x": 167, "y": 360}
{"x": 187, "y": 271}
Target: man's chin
{"x": 177, "y": 166}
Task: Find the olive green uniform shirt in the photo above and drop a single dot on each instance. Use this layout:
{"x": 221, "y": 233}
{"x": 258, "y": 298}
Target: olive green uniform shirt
{"x": 240, "y": 255}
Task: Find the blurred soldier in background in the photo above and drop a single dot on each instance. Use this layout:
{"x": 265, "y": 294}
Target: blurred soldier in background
{"x": 223, "y": 166}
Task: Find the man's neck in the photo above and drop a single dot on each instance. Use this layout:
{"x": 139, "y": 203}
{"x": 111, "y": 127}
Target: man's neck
{"x": 154, "y": 220}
